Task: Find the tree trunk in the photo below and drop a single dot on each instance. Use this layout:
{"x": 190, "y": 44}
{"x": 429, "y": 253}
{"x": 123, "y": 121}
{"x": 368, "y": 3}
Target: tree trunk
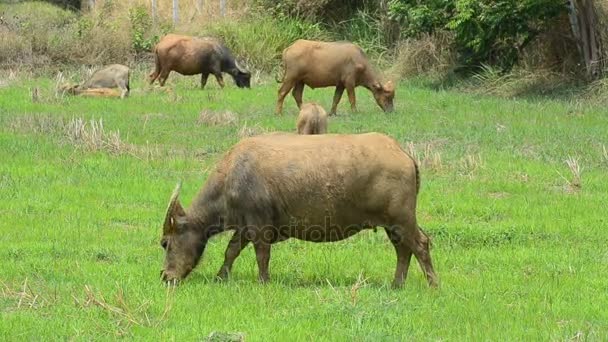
{"x": 583, "y": 19}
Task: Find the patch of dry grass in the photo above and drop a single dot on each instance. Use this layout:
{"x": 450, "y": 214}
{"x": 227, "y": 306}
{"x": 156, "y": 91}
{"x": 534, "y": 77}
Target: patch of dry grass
{"x": 574, "y": 183}
{"x": 217, "y": 118}
{"x": 520, "y": 81}
{"x": 24, "y": 297}
{"x": 93, "y": 137}
{"x": 37, "y": 124}
{"x": 426, "y": 154}
{"x": 469, "y": 164}
{"x": 126, "y": 315}
{"x": 250, "y": 131}
{"x": 429, "y": 54}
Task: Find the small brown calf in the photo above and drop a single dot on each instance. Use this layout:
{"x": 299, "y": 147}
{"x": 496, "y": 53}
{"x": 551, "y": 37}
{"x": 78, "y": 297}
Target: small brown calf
{"x": 312, "y": 119}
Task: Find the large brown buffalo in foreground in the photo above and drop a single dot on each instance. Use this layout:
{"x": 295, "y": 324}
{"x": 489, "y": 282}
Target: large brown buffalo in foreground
{"x": 318, "y": 188}
{"x": 192, "y": 56}
{"x": 331, "y": 64}
{"x": 104, "y": 83}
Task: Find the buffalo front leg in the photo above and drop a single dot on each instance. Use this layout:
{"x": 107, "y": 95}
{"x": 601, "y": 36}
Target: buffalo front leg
{"x": 297, "y": 92}
{"x": 237, "y": 243}
{"x": 204, "y": 78}
{"x": 220, "y": 79}
{"x": 337, "y": 96}
{"x": 262, "y": 255}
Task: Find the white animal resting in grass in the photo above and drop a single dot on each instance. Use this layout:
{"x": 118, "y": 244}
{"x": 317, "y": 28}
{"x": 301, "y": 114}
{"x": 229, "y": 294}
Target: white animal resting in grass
{"x": 111, "y": 81}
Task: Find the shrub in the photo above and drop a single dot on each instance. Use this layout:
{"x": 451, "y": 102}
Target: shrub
{"x": 485, "y": 32}
{"x": 141, "y": 23}
{"x": 495, "y": 32}
{"x": 260, "y": 41}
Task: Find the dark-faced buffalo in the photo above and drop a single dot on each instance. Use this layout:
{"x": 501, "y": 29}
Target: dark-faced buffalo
{"x": 331, "y": 64}
{"x": 192, "y": 56}
{"x": 318, "y": 188}
{"x": 103, "y": 83}
{"x": 312, "y": 119}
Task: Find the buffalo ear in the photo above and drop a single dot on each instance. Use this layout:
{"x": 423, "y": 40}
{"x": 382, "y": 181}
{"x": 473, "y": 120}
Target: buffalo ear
{"x": 174, "y": 212}
{"x": 389, "y": 86}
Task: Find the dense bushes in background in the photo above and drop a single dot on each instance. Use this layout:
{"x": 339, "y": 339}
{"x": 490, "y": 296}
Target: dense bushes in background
{"x": 260, "y": 41}
{"x": 413, "y": 36}
{"x": 488, "y": 32}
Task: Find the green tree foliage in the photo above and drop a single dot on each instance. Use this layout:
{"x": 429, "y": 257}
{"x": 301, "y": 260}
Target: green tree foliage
{"x": 486, "y": 32}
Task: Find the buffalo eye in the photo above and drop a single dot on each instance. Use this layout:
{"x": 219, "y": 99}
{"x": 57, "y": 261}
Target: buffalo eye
{"x": 164, "y": 243}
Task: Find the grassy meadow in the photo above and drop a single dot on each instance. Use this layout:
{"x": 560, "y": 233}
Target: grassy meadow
{"x": 514, "y": 194}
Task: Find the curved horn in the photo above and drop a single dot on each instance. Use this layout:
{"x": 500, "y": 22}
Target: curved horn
{"x": 171, "y": 208}
{"x": 238, "y": 66}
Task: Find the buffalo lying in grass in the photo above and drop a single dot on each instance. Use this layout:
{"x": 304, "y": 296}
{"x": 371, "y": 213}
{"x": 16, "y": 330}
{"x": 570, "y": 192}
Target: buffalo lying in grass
{"x": 192, "y": 56}
{"x": 111, "y": 81}
{"x": 318, "y": 188}
{"x": 312, "y": 119}
{"x": 331, "y": 64}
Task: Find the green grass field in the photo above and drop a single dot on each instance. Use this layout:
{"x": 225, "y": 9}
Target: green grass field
{"x": 520, "y": 249}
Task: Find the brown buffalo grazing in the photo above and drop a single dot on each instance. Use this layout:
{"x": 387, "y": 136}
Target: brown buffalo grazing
{"x": 312, "y": 119}
{"x": 192, "y": 56}
{"x": 331, "y": 64}
{"x": 103, "y": 83}
{"x": 318, "y": 188}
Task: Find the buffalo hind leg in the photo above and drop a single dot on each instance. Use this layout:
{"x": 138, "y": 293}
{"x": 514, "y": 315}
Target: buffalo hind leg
{"x": 237, "y": 243}
{"x": 283, "y": 91}
{"x": 297, "y": 92}
{"x": 123, "y": 85}
{"x": 351, "y": 97}
{"x": 420, "y": 245}
{"x": 204, "y": 77}
{"x": 153, "y": 76}
{"x": 162, "y": 78}
{"x": 262, "y": 255}
{"x": 404, "y": 256}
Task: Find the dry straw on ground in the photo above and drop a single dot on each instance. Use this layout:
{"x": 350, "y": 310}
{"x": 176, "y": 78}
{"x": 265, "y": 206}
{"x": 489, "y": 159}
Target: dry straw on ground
{"x": 93, "y": 137}
{"x": 24, "y": 297}
{"x": 125, "y": 314}
{"x": 250, "y": 131}
{"x": 217, "y": 118}
{"x": 426, "y": 154}
{"x": 470, "y": 164}
{"x": 575, "y": 182}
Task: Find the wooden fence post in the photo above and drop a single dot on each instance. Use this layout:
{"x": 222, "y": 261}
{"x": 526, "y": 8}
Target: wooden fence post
{"x": 154, "y": 12}
{"x": 175, "y": 12}
{"x": 223, "y": 8}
